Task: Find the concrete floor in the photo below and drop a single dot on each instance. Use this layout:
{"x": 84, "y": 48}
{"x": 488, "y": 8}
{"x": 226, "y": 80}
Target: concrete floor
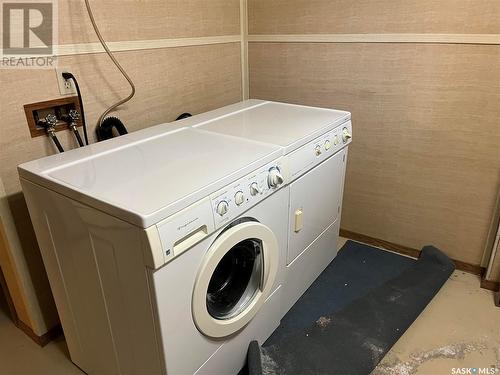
{"x": 459, "y": 329}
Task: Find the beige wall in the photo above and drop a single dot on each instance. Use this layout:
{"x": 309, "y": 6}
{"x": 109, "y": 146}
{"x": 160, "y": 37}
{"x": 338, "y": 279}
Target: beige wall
{"x": 424, "y": 165}
{"x": 121, "y": 20}
{"x": 169, "y": 81}
{"x": 368, "y": 16}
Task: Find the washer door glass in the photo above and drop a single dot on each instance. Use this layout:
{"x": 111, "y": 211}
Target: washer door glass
{"x": 236, "y": 280}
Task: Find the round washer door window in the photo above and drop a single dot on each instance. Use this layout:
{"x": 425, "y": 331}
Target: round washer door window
{"x": 235, "y": 278}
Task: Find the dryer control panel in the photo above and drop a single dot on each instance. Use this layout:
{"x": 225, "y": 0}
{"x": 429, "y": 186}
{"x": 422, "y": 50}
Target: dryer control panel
{"x": 236, "y": 198}
{"x": 317, "y": 151}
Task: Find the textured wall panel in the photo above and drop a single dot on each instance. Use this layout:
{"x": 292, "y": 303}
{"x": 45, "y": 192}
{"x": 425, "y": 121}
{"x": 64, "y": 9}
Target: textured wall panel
{"x": 424, "y": 166}
{"x": 147, "y": 19}
{"x": 368, "y": 16}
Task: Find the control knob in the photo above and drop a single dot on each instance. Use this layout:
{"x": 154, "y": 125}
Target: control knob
{"x": 328, "y": 145}
{"x": 239, "y": 198}
{"x": 254, "y": 189}
{"x": 346, "y": 135}
{"x": 222, "y": 208}
{"x": 317, "y": 150}
{"x": 275, "y": 178}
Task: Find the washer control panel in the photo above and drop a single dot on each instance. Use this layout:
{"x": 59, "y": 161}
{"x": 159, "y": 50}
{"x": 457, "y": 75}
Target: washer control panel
{"x": 315, "y": 152}
{"x": 236, "y": 198}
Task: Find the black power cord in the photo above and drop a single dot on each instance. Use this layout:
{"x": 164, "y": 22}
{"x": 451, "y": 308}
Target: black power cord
{"x": 78, "y": 138}
{"x": 68, "y": 76}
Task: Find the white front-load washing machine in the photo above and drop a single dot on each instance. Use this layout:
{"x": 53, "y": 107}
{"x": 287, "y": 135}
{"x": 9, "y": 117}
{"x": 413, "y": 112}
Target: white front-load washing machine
{"x": 224, "y": 292}
{"x": 163, "y": 250}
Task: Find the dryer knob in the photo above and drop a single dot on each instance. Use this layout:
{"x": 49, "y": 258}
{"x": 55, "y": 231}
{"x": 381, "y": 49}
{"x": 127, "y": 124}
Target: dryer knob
{"x": 239, "y": 198}
{"x": 317, "y": 150}
{"x": 222, "y": 208}
{"x": 275, "y": 178}
{"x": 254, "y": 189}
{"x": 346, "y": 135}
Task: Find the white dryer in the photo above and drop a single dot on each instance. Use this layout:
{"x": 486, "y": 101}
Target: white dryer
{"x": 163, "y": 250}
{"x": 315, "y": 143}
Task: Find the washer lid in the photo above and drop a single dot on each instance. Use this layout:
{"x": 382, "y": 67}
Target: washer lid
{"x": 146, "y": 180}
{"x": 287, "y": 125}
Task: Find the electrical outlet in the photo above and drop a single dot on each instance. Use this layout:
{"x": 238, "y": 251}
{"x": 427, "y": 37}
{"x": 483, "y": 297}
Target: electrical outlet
{"x": 66, "y": 87}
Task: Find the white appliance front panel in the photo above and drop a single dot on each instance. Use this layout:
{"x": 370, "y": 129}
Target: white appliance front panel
{"x": 229, "y": 357}
{"x": 315, "y": 200}
{"x": 301, "y": 273}
{"x": 186, "y": 349}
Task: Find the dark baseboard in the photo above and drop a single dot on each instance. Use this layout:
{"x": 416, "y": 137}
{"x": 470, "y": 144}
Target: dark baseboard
{"x": 491, "y": 285}
{"x": 43, "y": 340}
{"x": 414, "y": 253}
{"x": 4, "y": 289}
{"x": 405, "y": 250}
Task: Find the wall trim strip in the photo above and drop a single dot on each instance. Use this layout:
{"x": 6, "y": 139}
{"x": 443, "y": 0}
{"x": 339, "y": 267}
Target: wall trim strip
{"x": 245, "y": 89}
{"x": 138, "y": 45}
{"x": 379, "y": 38}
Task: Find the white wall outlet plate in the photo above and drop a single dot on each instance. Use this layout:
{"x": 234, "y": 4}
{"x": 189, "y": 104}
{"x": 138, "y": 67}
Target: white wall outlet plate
{"x": 66, "y": 87}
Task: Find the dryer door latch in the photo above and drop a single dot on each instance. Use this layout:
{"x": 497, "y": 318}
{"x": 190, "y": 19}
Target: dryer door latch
{"x": 298, "y": 220}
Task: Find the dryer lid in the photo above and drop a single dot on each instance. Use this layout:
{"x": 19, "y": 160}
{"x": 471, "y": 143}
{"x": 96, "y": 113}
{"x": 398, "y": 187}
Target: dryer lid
{"x": 287, "y": 125}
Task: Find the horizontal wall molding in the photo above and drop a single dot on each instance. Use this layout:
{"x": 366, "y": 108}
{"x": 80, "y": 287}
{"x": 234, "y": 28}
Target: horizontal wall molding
{"x": 138, "y": 45}
{"x": 379, "y": 38}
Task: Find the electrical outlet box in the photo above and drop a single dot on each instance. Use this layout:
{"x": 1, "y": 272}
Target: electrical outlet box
{"x": 66, "y": 87}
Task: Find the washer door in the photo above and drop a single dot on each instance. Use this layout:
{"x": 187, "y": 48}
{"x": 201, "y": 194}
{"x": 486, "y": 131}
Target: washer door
{"x": 235, "y": 278}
